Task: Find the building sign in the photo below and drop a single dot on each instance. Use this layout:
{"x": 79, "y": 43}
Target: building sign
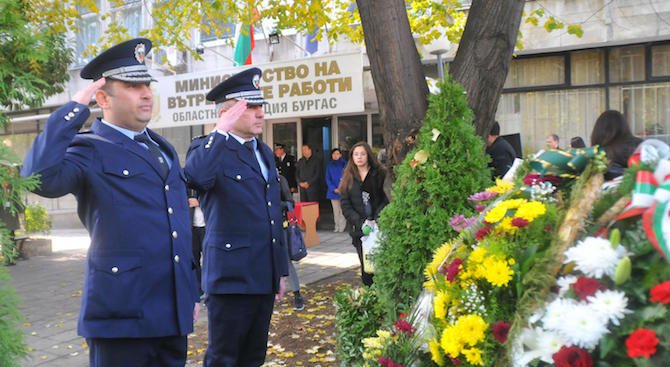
{"x": 326, "y": 85}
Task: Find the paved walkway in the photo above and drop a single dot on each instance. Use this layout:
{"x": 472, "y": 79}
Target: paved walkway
{"x": 50, "y": 287}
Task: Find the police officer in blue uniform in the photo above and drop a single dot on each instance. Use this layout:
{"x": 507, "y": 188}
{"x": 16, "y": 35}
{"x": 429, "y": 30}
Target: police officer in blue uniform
{"x": 244, "y": 257}
{"x": 140, "y": 284}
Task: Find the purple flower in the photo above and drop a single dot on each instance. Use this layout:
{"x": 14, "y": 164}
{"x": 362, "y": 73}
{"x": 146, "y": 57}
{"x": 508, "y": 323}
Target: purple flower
{"x": 482, "y": 196}
{"x": 460, "y": 222}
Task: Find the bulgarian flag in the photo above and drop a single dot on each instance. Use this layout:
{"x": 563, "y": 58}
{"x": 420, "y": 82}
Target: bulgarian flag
{"x": 245, "y": 41}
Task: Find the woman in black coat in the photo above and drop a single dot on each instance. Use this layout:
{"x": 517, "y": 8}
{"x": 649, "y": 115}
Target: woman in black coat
{"x": 612, "y": 133}
{"x": 362, "y": 195}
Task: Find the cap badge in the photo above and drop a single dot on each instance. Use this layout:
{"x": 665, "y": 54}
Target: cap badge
{"x": 140, "y": 50}
{"x": 256, "y": 81}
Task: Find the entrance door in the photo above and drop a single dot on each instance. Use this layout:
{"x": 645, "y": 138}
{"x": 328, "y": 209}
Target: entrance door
{"x": 286, "y": 133}
{"x": 317, "y": 133}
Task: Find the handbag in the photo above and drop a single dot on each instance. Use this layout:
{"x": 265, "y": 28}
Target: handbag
{"x": 296, "y": 244}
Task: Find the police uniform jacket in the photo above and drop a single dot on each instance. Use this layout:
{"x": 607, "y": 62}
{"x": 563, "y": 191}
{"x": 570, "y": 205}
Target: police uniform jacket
{"x": 243, "y": 251}
{"x": 139, "y": 279}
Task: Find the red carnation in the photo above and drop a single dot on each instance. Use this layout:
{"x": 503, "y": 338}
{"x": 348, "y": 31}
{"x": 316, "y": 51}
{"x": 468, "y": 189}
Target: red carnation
{"x": 572, "y": 357}
{"x": 660, "y": 293}
{"x": 404, "y": 326}
{"x": 500, "y": 330}
{"x": 519, "y": 222}
{"x": 455, "y": 361}
{"x": 641, "y": 343}
{"x": 585, "y": 287}
{"x": 483, "y": 233}
{"x": 453, "y": 269}
{"x": 553, "y": 179}
{"x": 532, "y": 179}
{"x": 480, "y": 208}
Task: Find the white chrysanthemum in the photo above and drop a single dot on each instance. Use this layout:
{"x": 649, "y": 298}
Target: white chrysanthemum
{"x": 557, "y": 312}
{"x": 595, "y": 257}
{"x": 565, "y": 283}
{"x": 583, "y": 328}
{"x": 535, "y": 344}
{"x": 610, "y": 304}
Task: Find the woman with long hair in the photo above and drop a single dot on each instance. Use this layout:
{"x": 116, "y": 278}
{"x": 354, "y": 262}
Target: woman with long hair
{"x": 612, "y": 133}
{"x": 362, "y": 195}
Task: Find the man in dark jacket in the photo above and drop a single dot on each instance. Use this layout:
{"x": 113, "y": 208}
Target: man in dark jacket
{"x": 286, "y": 166}
{"x": 308, "y": 174}
{"x": 501, "y": 152}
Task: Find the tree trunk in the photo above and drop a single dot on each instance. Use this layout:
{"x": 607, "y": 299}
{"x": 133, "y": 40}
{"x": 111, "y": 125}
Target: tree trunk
{"x": 484, "y": 55}
{"x": 397, "y": 74}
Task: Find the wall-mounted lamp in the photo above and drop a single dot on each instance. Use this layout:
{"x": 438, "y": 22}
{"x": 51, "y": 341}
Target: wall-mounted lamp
{"x": 274, "y": 38}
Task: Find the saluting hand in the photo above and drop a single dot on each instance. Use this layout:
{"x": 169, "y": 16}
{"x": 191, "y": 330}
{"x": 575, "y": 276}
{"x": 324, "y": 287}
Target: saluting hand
{"x": 84, "y": 96}
{"x": 228, "y": 117}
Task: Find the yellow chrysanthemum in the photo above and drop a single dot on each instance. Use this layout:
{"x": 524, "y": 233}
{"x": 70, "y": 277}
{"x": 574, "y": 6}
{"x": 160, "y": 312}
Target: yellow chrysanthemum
{"x": 440, "y": 305}
{"x": 477, "y": 256}
{"x": 514, "y": 203}
{"x": 451, "y": 342}
{"x": 471, "y": 328}
{"x": 497, "y": 272}
{"x": 438, "y": 258}
{"x": 501, "y": 187}
{"x": 531, "y": 210}
{"x": 383, "y": 335}
{"x": 473, "y": 356}
{"x": 436, "y": 353}
{"x": 496, "y": 214}
{"x": 429, "y": 285}
{"x": 506, "y": 226}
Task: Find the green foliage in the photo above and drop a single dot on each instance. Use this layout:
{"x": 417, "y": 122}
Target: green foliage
{"x": 433, "y": 184}
{"x": 37, "y": 219}
{"x": 33, "y": 63}
{"x": 8, "y": 251}
{"x": 358, "y": 316}
{"x": 12, "y": 347}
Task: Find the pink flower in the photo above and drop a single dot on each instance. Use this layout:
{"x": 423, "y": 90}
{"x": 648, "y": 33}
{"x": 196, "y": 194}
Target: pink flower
{"x": 460, "y": 222}
{"x": 482, "y": 196}
{"x": 404, "y": 327}
{"x": 483, "y": 233}
{"x": 480, "y": 208}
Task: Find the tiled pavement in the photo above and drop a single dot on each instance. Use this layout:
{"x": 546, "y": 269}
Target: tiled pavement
{"x": 50, "y": 287}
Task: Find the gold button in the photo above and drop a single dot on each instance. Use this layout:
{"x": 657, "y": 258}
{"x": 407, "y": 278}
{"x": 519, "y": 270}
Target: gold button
{"x": 170, "y": 211}
{"x": 115, "y": 270}
{"x": 174, "y": 234}
{"x": 125, "y": 172}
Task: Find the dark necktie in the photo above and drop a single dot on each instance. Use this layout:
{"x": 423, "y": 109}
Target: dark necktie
{"x": 153, "y": 149}
{"x": 250, "y": 145}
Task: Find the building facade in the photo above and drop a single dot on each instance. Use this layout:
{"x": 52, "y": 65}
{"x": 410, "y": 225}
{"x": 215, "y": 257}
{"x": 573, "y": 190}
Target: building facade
{"x": 557, "y": 83}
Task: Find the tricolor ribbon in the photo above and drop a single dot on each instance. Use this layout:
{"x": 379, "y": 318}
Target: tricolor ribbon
{"x": 651, "y": 194}
{"x": 564, "y": 164}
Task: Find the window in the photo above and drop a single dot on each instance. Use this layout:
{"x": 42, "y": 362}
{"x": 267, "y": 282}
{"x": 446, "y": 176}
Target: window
{"x": 286, "y": 133}
{"x": 660, "y": 60}
{"x": 208, "y": 33}
{"x": 89, "y": 32}
{"x": 627, "y": 64}
{"x": 567, "y": 113}
{"x": 351, "y": 130}
{"x": 536, "y": 71}
{"x": 587, "y": 67}
{"x": 646, "y": 108}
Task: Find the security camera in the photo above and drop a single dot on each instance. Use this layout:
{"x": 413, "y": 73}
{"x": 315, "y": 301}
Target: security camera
{"x": 200, "y": 49}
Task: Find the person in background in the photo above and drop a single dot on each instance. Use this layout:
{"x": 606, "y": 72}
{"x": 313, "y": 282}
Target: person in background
{"x": 362, "y": 195}
{"x": 577, "y": 142}
{"x": 611, "y": 132}
{"x": 334, "y": 171}
{"x": 308, "y": 174}
{"x": 197, "y": 232}
{"x": 293, "y": 280}
{"x": 501, "y": 152}
{"x": 286, "y": 166}
{"x": 553, "y": 141}
{"x": 140, "y": 288}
